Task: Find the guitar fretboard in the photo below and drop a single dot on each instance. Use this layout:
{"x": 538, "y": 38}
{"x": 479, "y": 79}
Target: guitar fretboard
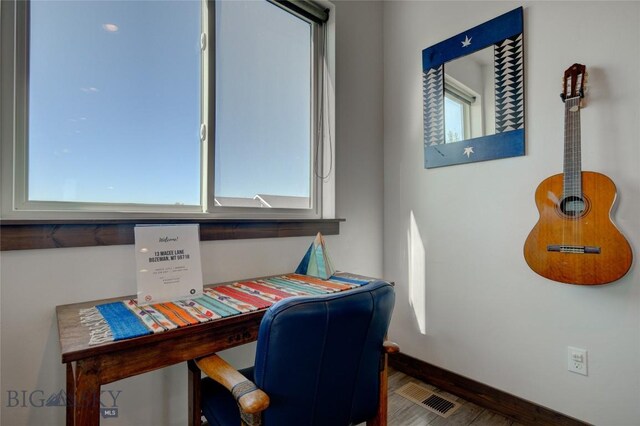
{"x": 572, "y": 153}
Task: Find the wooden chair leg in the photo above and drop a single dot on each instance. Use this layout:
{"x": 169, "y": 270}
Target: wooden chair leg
{"x": 195, "y": 414}
{"x": 381, "y": 416}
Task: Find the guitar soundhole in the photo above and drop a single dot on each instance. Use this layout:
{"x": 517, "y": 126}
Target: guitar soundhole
{"x": 573, "y": 206}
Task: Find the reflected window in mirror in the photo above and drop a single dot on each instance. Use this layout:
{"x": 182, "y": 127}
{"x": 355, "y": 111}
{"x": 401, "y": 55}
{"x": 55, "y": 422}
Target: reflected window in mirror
{"x": 462, "y": 111}
{"x": 469, "y": 87}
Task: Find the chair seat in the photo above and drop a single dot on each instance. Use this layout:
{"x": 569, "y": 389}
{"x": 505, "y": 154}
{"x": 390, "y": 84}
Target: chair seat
{"x": 218, "y": 405}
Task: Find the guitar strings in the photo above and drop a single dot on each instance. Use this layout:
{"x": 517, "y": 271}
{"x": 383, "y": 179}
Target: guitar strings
{"x": 567, "y": 156}
{"x": 572, "y": 188}
{"x": 572, "y": 173}
{"x": 583, "y": 204}
{"x": 565, "y": 177}
{"x": 576, "y": 171}
{"x": 572, "y": 201}
{"x": 575, "y": 193}
{"x": 578, "y": 164}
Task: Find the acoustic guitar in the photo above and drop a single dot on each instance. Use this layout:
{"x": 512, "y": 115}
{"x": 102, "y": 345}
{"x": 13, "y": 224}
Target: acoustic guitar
{"x": 575, "y": 241}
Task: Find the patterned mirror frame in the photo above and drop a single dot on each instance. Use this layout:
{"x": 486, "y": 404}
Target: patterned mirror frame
{"x": 505, "y": 33}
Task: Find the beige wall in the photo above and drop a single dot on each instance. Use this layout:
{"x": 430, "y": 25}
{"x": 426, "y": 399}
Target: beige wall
{"x": 466, "y": 300}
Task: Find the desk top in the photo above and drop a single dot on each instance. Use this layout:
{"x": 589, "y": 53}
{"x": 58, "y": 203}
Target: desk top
{"x": 74, "y": 336}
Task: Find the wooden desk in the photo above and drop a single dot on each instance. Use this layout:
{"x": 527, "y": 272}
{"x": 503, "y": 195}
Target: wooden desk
{"x": 89, "y": 367}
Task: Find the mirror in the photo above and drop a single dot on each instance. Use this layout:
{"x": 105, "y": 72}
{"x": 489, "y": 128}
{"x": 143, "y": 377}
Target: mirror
{"x": 473, "y": 88}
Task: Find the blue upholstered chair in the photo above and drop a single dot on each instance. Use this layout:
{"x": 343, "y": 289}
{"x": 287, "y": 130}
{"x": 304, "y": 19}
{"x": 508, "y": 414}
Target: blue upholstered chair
{"x": 320, "y": 361}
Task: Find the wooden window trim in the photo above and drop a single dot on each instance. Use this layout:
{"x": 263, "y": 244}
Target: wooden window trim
{"x": 42, "y": 234}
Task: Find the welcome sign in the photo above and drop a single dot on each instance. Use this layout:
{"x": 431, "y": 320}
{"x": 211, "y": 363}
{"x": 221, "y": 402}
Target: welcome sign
{"x": 168, "y": 262}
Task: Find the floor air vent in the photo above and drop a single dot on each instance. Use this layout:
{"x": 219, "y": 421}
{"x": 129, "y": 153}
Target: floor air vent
{"x": 429, "y": 400}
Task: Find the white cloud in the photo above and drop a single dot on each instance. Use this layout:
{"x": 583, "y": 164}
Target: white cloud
{"x": 89, "y": 89}
{"x": 110, "y": 28}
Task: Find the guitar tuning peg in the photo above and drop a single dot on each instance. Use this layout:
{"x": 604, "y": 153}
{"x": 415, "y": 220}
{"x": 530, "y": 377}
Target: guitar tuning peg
{"x": 583, "y": 97}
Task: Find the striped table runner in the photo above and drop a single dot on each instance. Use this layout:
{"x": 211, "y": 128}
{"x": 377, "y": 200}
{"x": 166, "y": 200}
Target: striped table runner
{"x": 126, "y": 319}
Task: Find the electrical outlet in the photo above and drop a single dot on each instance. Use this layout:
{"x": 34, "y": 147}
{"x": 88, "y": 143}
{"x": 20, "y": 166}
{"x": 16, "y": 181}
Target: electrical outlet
{"x": 577, "y": 360}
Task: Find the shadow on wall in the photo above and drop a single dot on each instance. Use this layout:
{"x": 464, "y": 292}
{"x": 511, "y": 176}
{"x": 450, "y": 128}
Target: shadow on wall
{"x": 417, "y": 267}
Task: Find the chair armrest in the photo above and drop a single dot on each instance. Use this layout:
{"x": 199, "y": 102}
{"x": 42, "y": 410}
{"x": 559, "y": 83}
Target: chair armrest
{"x": 252, "y": 402}
{"x": 390, "y": 347}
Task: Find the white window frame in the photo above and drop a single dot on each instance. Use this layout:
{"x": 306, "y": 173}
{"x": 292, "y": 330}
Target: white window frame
{"x": 14, "y": 35}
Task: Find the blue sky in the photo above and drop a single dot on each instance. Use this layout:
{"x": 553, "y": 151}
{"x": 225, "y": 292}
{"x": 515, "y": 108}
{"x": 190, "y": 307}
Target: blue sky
{"x": 114, "y": 111}
{"x": 263, "y": 100}
{"x": 453, "y": 119}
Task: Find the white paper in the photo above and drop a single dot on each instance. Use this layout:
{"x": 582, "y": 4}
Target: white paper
{"x": 168, "y": 262}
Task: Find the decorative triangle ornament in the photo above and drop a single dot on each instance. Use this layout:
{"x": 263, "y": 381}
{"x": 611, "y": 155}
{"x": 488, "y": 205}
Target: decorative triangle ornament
{"x": 316, "y": 261}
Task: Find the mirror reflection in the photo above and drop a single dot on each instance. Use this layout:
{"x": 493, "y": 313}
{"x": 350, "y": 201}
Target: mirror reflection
{"x": 469, "y": 96}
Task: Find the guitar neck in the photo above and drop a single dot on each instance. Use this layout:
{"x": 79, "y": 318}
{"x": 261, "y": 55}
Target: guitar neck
{"x": 572, "y": 153}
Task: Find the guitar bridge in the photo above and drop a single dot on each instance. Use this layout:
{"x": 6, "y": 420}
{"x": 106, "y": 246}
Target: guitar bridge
{"x": 574, "y": 249}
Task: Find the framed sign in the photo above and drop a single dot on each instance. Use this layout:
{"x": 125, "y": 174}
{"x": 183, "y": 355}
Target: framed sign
{"x": 168, "y": 262}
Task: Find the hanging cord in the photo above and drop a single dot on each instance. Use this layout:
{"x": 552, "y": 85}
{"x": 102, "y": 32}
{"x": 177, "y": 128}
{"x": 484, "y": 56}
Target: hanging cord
{"x": 321, "y": 113}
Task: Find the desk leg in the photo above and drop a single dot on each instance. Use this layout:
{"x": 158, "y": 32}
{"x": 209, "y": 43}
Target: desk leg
{"x": 71, "y": 393}
{"x": 87, "y": 394}
{"x": 194, "y": 394}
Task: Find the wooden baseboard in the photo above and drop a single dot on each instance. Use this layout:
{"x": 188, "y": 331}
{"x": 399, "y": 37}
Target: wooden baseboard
{"x": 518, "y": 409}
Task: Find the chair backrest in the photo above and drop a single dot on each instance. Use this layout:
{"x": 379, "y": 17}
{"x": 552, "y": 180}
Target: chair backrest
{"x": 318, "y": 358}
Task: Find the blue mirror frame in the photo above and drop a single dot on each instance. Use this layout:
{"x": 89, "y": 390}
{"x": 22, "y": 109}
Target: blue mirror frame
{"x": 505, "y": 33}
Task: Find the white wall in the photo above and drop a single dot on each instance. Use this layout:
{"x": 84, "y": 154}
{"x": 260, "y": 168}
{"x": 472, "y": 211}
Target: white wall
{"x": 34, "y": 282}
{"x": 459, "y": 266}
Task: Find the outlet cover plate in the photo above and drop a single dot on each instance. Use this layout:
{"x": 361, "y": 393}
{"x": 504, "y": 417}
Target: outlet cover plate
{"x": 577, "y": 360}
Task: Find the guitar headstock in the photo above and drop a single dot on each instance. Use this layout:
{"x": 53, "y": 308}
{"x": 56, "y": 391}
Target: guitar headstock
{"x": 574, "y": 82}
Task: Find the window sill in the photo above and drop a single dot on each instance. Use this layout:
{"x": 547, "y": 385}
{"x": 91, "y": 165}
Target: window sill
{"x": 42, "y": 234}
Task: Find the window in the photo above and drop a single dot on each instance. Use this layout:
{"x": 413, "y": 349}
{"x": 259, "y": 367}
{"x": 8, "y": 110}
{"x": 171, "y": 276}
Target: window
{"x": 267, "y": 162}
{"x": 114, "y": 102}
{"x": 185, "y": 107}
{"x": 458, "y": 100}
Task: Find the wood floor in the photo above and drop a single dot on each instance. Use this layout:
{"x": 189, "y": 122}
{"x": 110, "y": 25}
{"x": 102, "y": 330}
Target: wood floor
{"x": 403, "y": 412}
